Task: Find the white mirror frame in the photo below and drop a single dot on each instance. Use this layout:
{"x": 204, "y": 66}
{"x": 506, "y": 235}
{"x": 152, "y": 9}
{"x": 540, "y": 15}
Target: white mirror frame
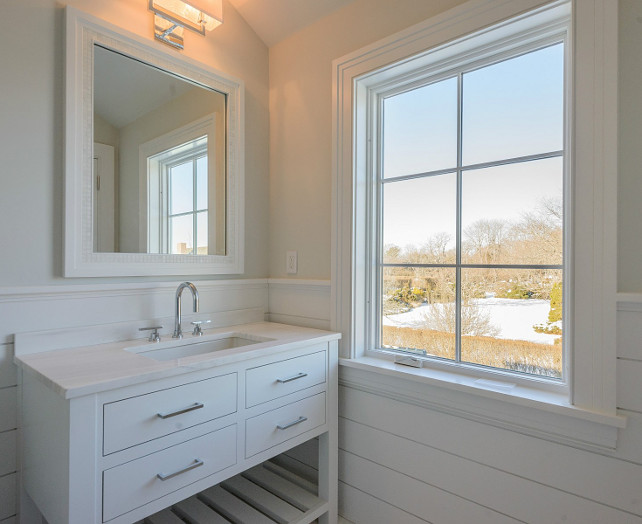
{"x": 82, "y": 32}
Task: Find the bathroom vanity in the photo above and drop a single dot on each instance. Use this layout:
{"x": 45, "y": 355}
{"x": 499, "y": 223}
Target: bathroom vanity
{"x": 117, "y": 431}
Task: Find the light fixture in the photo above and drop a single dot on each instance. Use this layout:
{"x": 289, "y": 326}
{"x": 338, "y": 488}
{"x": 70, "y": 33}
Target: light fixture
{"x": 171, "y": 16}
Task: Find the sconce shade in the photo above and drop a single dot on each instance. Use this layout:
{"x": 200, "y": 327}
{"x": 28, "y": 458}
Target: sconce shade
{"x": 197, "y": 15}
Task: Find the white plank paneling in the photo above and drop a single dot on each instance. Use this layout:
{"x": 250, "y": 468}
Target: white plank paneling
{"x": 8, "y": 408}
{"x": 629, "y": 444}
{"x": 415, "y": 497}
{"x": 361, "y": 507}
{"x": 590, "y": 475}
{"x": 300, "y": 302}
{"x": 10, "y": 520}
{"x": 54, "y": 307}
{"x": 511, "y": 495}
{"x": 629, "y": 334}
{"x": 629, "y": 385}
{"x": 8, "y": 452}
{"x": 8, "y": 371}
{"x": 7, "y": 496}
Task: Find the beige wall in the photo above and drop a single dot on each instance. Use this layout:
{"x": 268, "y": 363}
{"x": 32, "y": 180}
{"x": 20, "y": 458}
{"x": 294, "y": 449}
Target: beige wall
{"x": 32, "y": 126}
{"x": 301, "y": 123}
{"x": 630, "y": 143}
{"x": 301, "y": 128}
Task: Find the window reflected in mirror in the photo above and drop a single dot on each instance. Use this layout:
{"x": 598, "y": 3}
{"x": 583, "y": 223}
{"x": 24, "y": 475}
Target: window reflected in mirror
{"x": 159, "y": 161}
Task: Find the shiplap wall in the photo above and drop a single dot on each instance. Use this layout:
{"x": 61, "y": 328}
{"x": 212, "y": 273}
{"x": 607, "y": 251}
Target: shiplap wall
{"x": 401, "y": 463}
{"x": 27, "y": 309}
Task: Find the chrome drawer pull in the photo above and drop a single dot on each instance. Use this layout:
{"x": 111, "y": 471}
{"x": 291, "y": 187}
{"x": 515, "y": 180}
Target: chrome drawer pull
{"x": 290, "y": 379}
{"x": 196, "y": 405}
{"x": 196, "y": 464}
{"x": 293, "y": 423}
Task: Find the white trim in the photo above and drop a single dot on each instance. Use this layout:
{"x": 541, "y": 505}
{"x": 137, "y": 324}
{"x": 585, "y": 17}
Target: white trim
{"x": 594, "y": 156}
{"x": 82, "y": 31}
{"x": 542, "y": 415}
{"x": 84, "y": 291}
{"x": 629, "y": 301}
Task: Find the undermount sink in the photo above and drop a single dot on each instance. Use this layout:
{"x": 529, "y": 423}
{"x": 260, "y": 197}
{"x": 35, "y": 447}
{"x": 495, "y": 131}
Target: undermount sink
{"x": 189, "y": 348}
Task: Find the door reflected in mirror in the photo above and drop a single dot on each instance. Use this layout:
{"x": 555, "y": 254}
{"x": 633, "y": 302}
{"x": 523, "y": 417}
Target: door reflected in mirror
{"x": 159, "y": 177}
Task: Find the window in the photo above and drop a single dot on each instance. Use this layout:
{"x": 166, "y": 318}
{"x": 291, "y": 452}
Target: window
{"x": 178, "y": 196}
{"x": 446, "y": 57}
{"x": 469, "y": 200}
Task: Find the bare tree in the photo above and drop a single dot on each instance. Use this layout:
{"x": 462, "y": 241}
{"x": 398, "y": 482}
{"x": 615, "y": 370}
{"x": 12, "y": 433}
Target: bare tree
{"x": 484, "y": 240}
{"x": 474, "y": 321}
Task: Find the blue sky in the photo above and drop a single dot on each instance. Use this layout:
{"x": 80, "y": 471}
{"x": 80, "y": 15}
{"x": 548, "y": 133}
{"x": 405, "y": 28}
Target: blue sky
{"x": 510, "y": 109}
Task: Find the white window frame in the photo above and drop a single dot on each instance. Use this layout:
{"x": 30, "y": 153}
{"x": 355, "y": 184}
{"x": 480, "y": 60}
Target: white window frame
{"x": 585, "y": 415}
{"x": 152, "y": 182}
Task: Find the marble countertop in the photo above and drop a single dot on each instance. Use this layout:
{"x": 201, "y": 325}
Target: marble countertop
{"x": 91, "y": 369}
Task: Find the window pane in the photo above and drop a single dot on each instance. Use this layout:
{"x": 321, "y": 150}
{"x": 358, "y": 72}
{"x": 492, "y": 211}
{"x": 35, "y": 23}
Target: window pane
{"x": 201, "y": 183}
{"x": 181, "y": 188}
{"x": 181, "y": 234}
{"x": 512, "y": 214}
{"x": 514, "y": 108}
{"x": 512, "y": 319}
{"x": 419, "y": 220}
{"x": 420, "y": 130}
{"x": 201, "y": 233}
{"x": 419, "y": 310}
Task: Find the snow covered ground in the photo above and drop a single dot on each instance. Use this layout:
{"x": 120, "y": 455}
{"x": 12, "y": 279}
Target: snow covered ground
{"x": 515, "y": 318}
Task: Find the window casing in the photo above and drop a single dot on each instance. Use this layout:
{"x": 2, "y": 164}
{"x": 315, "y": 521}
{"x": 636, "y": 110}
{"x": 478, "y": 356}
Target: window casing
{"x": 586, "y": 411}
{"x": 457, "y": 186}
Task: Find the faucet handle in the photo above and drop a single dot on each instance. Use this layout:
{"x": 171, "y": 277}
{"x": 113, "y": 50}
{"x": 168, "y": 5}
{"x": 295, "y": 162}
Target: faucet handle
{"x": 155, "y": 336}
{"x": 198, "y": 331}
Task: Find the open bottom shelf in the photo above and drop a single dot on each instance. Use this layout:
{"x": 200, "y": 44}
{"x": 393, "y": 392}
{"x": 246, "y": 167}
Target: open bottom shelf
{"x": 265, "y": 494}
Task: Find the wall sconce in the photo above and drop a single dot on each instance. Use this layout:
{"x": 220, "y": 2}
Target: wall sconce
{"x": 172, "y": 16}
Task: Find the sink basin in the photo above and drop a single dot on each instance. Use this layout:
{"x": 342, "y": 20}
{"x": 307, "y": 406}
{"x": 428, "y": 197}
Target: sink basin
{"x": 189, "y": 348}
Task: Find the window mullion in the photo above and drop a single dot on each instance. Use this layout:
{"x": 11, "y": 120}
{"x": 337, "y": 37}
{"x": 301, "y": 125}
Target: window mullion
{"x": 458, "y": 233}
{"x": 194, "y": 207}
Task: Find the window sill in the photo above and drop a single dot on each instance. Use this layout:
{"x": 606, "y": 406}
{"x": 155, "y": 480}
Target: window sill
{"x": 524, "y": 410}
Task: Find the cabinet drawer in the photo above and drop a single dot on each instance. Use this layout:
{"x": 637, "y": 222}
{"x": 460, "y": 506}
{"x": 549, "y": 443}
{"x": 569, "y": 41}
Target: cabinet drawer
{"x": 276, "y": 380}
{"x": 274, "y": 427}
{"x": 134, "y": 484}
{"x": 140, "y": 419}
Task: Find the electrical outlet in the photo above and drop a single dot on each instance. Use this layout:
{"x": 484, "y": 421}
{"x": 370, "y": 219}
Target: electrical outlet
{"x": 290, "y": 263}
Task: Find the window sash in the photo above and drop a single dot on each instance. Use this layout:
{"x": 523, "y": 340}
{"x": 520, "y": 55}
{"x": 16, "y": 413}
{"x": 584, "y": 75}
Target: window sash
{"x": 457, "y": 68}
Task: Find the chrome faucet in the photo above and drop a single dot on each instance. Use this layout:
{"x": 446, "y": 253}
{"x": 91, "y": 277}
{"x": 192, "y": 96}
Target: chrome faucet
{"x": 178, "y": 333}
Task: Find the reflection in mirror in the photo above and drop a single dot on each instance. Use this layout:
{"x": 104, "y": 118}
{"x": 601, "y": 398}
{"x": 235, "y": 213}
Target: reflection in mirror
{"x": 159, "y": 176}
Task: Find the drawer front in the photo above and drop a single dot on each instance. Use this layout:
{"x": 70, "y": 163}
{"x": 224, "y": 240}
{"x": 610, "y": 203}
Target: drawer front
{"x": 276, "y": 380}
{"x": 136, "y": 483}
{"x": 274, "y": 427}
{"x": 140, "y": 419}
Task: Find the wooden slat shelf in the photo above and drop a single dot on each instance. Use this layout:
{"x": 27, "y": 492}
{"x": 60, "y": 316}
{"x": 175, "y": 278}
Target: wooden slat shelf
{"x": 265, "y": 494}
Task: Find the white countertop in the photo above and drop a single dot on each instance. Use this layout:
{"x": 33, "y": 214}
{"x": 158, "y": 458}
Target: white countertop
{"x": 91, "y": 369}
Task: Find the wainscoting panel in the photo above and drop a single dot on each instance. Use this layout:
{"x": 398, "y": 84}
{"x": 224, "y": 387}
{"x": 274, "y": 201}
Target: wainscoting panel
{"x": 74, "y": 306}
{"x": 7, "y": 496}
{"x": 397, "y": 458}
{"x": 300, "y": 302}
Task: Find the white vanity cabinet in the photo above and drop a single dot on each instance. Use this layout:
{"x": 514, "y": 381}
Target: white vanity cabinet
{"x": 120, "y": 454}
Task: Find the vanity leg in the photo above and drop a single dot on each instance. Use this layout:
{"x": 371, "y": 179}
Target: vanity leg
{"x": 329, "y": 443}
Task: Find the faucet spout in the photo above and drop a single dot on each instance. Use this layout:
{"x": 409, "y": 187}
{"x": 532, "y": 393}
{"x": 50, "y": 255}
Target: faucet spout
{"x": 178, "y": 333}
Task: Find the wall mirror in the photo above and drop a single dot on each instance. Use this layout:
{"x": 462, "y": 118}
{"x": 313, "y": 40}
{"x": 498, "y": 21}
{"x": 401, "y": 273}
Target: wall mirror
{"x": 154, "y": 158}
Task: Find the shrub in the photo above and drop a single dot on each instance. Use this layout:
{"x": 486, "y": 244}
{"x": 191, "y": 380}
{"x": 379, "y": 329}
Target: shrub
{"x": 516, "y": 355}
{"x": 555, "y": 314}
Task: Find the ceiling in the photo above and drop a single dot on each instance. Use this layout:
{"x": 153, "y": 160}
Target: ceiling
{"x": 275, "y": 20}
